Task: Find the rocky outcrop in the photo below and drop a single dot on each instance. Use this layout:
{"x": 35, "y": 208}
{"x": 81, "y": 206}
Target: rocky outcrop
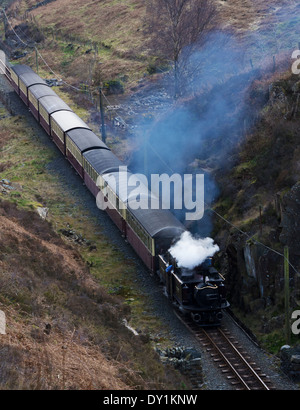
{"x": 40, "y": 4}
{"x": 255, "y": 273}
{"x": 290, "y": 362}
{"x": 186, "y": 360}
{"x": 290, "y": 220}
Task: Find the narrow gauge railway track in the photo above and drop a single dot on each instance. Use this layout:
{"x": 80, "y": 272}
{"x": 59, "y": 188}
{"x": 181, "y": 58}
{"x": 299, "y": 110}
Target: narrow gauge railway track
{"x": 233, "y": 361}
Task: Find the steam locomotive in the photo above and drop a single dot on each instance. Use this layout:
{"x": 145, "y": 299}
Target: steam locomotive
{"x": 199, "y": 292}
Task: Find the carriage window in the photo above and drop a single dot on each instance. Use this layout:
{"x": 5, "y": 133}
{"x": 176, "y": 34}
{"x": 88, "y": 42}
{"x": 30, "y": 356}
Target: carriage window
{"x": 74, "y": 151}
{"x": 140, "y": 231}
{"x": 58, "y": 131}
{"x": 14, "y": 77}
{"x": 44, "y": 113}
{"x": 23, "y": 87}
{"x": 33, "y": 100}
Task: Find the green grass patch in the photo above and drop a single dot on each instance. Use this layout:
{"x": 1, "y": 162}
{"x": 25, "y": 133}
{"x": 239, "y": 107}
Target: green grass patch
{"x": 35, "y": 186}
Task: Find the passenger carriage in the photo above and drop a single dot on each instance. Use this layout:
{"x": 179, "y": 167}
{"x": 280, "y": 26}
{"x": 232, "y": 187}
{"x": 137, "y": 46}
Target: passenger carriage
{"x": 96, "y": 163}
{"x": 35, "y": 93}
{"x": 26, "y": 81}
{"x": 79, "y": 141}
{"x": 16, "y": 71}
{"x": 150, "y": 232}
{"x": 60, "y": 123}
{"x": 49, "y": 105}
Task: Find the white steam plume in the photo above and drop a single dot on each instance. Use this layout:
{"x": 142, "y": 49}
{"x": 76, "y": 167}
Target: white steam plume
{"x": 190, "y": 252}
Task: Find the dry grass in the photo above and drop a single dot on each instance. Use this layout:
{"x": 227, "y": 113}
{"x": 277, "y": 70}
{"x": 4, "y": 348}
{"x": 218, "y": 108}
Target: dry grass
{"x": 63, "y": 330}
{"x": 246, "y": 15}
{"x": 118, "y": 29}
{"x": 47, "y": 280}
{"x": 36, "y": 270}
{"x": 114, "y": 23}
{"x": 31, "y": 359}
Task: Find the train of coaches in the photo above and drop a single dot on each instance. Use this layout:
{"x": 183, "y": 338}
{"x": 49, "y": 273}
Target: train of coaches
{"x": 199, "y": 292}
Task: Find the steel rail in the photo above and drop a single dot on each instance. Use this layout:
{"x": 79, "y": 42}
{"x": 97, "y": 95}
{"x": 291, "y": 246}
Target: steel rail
{"x": 226, "y": 360}
{"x": 198, "y": 331}
{"x": 240, "y": 356}
{"x": 255, "y": 374}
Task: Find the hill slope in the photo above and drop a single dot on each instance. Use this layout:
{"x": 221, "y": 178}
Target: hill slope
{"x": 84, "y": 42}
{"x": 64, "y": 285}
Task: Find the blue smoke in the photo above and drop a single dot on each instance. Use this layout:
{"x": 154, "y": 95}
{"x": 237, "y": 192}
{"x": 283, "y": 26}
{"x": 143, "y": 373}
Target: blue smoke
{"x": 201, "y": 133}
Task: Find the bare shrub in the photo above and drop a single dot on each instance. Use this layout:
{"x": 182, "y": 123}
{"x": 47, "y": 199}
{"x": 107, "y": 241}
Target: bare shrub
{"x": 177, "y": 28}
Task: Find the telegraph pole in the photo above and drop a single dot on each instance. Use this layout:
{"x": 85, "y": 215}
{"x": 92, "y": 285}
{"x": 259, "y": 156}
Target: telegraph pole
{"x": 103, "y": 131}
{"x": 287, "y": 295}
{"x": 145, "y": 156}
{"x": 36, "y": 60}
{"x": 4, "y": 24}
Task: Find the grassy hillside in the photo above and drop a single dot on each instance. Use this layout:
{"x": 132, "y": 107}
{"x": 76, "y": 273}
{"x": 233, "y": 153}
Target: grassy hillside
{"x": 84, "y": 40}
{"x": 88, "y": 41}
{"x": 65, "y": 288}
{"x": 260, "y": 195}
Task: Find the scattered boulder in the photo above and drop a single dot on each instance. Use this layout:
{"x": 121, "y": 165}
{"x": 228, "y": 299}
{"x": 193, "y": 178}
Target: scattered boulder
{"x": 43, "y": 212}
{"x": 290, "y": 217}
{"x": 77, "y": 238}
{"x": 5, "y": 186}
{"x": 290, "y": 361}
{"x": 186, "y": 360}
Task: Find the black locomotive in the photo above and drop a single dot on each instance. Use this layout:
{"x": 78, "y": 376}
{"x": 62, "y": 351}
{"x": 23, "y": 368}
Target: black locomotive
{"x": 199, "y": 292}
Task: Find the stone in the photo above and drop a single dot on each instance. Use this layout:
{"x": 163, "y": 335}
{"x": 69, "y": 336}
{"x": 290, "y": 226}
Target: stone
{"x": 290, "y": 214}
{"x": 285, "y": 347}
{"x": 295, "y": 358}
{"x": 2, "y": 323}
{"x": 290, "y": 361}
{"x": 43, "y": 212}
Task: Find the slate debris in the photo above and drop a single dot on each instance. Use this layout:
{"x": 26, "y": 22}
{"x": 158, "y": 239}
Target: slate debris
{"x": 290, "y": 362}
{"x": 5, "y": 186}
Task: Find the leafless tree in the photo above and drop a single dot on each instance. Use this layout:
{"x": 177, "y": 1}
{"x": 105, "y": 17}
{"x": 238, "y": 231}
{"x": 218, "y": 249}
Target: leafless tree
{"x": 176, "y": 28}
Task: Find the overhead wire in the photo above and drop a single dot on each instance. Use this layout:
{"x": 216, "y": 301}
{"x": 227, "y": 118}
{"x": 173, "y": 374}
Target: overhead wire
{"x": 38, "y": 52}
{"x": 16, "y": 34}
{"x": 253, "y": 240}
{"x": 56, "y": 75}
{"x": 52, "y": 71}
{"x": 156, "y": 153}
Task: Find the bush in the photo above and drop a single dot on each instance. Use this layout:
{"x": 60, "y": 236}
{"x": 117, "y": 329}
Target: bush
{"x": 114, "y": 87}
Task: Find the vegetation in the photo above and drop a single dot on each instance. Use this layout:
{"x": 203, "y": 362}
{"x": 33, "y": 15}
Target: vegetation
{"x": 65, "y": 301}
{"x": 104, "y": 42}
{"x": 264, "y": 174}
{"x": 87, "y": 39}
{"x": 176, "y": 30}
